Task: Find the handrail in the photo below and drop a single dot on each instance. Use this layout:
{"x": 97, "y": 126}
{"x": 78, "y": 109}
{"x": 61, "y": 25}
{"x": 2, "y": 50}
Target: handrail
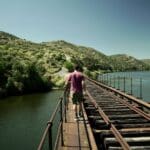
{"x": 122, "y": 79}
{"x": 44, "y": 137}
{"x": 50, "y": 123}
{"x": 54, "y": 112}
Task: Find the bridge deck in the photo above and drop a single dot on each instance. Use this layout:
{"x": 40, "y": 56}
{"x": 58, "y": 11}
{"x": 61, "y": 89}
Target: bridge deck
{"x": 74, "y": 133}
{"x": 117, "y": 121}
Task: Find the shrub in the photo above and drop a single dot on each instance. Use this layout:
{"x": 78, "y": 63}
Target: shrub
{"x": 69, "y": 66}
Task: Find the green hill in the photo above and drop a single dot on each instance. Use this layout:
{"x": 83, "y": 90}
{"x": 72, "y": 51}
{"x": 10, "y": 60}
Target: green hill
{"x": 123, "y": 62}
{"x": 34, "y": 67}
{"x": 146, "y": 61}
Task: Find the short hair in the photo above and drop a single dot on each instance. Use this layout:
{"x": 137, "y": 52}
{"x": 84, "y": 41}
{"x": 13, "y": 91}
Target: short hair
{"x": 78, "y": 67}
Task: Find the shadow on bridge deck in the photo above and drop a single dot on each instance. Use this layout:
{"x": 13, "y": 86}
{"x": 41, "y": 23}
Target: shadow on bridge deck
{"x": 74, "y": 133}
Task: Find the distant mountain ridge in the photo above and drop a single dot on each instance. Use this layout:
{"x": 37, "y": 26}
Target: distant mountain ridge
{"x": 146, "y": 61}
{"x": 91, "y": 59}
{"x": 26, "y": 66}
{"x": 124, "y": 62}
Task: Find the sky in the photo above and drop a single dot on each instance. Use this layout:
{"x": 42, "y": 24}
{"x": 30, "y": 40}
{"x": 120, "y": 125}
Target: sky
{"x": 109, "y": 26}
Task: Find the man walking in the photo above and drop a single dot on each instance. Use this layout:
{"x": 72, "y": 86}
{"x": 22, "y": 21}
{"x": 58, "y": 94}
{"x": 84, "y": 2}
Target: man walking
{"x": 76, "y": 80}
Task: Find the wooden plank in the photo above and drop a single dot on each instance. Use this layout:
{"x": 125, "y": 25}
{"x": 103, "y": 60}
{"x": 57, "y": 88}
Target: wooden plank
{"x": 121, "y": 126}
{"x": 125, "y": 121}
{"x": 132, "y": 147}
{"x": 134, "y": 129}
{"x": 125, "y": 116}
{"x": 111, "y": 140}
{"x": 75, "y": 136}
{"x": 128, "y": 133}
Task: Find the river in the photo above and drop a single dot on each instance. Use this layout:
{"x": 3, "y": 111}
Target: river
{"x": 140, "y": 86}
{"x": 23, "y": 119}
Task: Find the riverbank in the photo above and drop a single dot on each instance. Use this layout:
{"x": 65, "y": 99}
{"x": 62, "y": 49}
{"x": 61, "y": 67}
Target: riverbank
{"x": 3, "y": 93}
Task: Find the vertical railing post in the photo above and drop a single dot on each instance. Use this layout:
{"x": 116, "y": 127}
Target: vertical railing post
{"x": 140, "y": 88}
{"x": 124, "y": 84}
{"x": 131, "y": 86}
{"x": 66, "y": 105}
{"x": 110, "y": 80}
{"x": 50, "y": 136}
{"x": 104, "y": 79}
{"x": 61, "y": 120}
{"x": 114, "y": 81}
{"x": 118, "y": 82}
{"x": 107, "y": 78}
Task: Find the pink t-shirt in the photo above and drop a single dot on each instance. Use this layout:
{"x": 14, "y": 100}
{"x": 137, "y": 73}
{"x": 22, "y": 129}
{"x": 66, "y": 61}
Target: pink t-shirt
{"x": 76, "y": 79}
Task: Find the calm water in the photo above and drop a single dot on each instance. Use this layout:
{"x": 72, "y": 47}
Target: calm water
{"x": 139, "y": 80}
{"x": 23, "y": 119}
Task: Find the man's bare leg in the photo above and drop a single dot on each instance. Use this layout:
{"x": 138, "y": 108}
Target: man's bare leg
{"x": 76, "y": 108}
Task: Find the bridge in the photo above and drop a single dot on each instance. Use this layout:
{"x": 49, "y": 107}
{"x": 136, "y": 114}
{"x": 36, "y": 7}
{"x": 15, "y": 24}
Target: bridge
{"x": 112, "y": 120}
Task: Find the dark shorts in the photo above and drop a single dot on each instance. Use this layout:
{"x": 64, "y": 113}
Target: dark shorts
{"x": 76, "y": 97}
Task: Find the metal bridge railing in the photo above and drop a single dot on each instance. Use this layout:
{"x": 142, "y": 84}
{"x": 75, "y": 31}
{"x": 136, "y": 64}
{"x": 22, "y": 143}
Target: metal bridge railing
{"x": 48, "y": 141}
{"x": 130, "y": 98}
{"x": 130, "y": 85}
{"x": 61, "y": 111}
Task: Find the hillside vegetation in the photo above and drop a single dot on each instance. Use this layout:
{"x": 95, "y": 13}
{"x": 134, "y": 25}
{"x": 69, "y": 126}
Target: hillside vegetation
{"x": 35, "y": 67}
{"x": 146, "y": 61}
{"x": 123, "y": 62}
